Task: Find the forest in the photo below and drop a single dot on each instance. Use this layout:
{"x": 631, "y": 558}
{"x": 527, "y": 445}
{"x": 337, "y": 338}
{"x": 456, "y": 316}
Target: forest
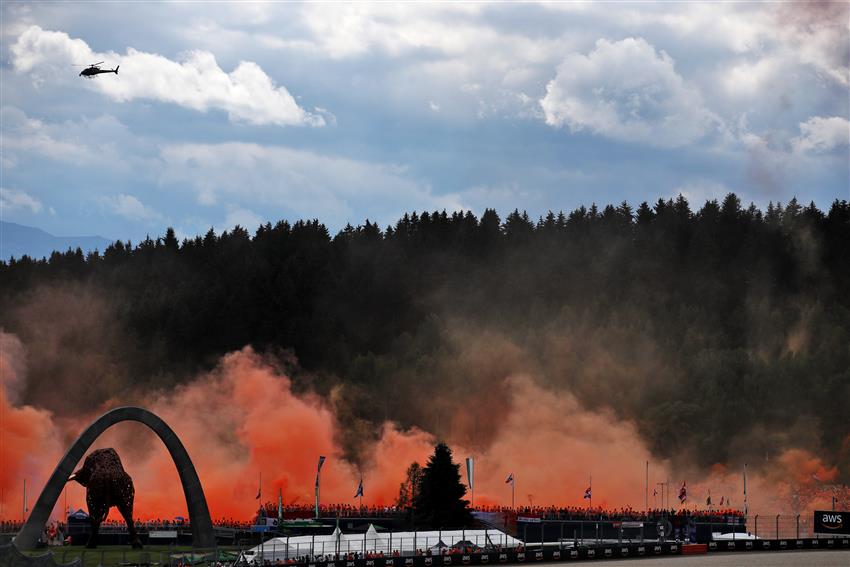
{"x": 722, "y": 332}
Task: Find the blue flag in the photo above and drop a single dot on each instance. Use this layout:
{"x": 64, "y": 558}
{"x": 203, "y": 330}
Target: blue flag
{"x": 359, "y": 489}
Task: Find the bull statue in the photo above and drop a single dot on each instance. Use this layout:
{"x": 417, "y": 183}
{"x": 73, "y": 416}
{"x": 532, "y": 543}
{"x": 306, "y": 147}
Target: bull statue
{"x": 107, "y": 485}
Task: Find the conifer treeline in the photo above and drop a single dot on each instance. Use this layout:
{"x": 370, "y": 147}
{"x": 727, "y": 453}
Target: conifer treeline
{"x": 722, "y": 332}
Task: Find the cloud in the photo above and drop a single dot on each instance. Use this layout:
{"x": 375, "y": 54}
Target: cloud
{"x": 298, "y": 182}
{"x": 102, "y": 141}
{"x": 247, "y": 93}
{"x": 130, "y": 208}
{"x": 698, "y": 191}
{"x": 13, "y": 199}
{"x": 627, "y": 91}
{"x": 243, "y": 217}
{"x": 819, "y": 134}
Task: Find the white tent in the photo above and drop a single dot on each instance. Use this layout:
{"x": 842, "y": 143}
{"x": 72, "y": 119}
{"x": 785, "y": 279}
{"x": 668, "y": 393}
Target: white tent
{"x": 372, "y": 541}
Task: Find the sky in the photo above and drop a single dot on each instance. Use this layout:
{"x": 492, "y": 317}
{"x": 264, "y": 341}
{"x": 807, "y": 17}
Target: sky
{"x": 225, "y": 114}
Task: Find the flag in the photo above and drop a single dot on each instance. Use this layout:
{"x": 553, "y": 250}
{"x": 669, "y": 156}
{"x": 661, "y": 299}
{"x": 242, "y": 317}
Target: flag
{"x": 587, "y": 493}
{"x": 655, "y": 492}
{"x": 510, "y": 479}
{"x": 683, "y": 493}
{"x": 259, "y": 491}
{"x": 359, "y": 489}
{"x": 721, "y": 501}
{"x": 470, "y": 472}
{"x": 319, "y": 470}
{"x": 708, "y": 500}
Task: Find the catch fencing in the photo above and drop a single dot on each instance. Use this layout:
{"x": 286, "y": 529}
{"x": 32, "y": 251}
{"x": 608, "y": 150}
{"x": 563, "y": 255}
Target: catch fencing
{"x": 766, "y": 526}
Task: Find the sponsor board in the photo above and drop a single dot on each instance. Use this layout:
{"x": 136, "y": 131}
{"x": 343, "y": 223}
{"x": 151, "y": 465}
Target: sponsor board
{"x": 832, "y": 522}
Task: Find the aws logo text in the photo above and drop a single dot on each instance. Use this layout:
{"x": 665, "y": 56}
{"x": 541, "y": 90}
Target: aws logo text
{"x": 832, "y": 521}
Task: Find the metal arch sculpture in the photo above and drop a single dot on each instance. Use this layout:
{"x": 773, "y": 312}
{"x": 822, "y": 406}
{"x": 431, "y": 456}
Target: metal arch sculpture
{"x": 199, "y": 514}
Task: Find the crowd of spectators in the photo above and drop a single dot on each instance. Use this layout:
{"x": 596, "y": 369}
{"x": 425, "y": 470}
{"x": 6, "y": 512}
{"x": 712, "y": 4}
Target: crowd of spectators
{"x": 614, "y": 514}
{"x": 295, "y": 512}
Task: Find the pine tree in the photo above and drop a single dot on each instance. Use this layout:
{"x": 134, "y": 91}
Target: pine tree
{"x": 440, "y": 503}
{"x": 409, "y": 489}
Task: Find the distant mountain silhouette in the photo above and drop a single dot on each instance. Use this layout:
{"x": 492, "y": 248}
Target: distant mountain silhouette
{"x": 17, "y": 240}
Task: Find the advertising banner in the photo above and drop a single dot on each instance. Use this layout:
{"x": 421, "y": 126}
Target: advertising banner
{"x": 832, "y": 522}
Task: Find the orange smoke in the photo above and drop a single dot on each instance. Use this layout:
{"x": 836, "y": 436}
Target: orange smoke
{"x": 553, "y": 446}
{"x": 28, "y": 437}
{"x": 242, "y": 419}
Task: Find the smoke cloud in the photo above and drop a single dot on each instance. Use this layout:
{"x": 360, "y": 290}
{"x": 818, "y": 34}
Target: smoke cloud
{"x": 243, "y": 419}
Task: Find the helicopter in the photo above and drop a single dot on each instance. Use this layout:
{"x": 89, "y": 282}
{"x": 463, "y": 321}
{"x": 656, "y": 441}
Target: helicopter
{"x": 94, "y": 69}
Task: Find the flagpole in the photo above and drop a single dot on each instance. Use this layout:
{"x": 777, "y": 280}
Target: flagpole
{"x": 746, "y": 508}
{"x": 318, "y": 475}
{"x": 591, "y": 492}
{"x": 513, "y": 487}
{"x": 24, "y": 507}
{"x": 646, "y": 490}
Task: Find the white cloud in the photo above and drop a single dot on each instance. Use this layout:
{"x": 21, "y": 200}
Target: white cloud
{"x": 819, "y": 134}
{"x": 627, "y": 91}
{"x": 249, "y": 220}
{"x": 130, "y": 208}
{"x": 247, "y": 93}
{"x": 14, "y": 199}
{"x": 102, "y": 141}
{"x": 698, "y": 191}
{"x": 283, "y": 180}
